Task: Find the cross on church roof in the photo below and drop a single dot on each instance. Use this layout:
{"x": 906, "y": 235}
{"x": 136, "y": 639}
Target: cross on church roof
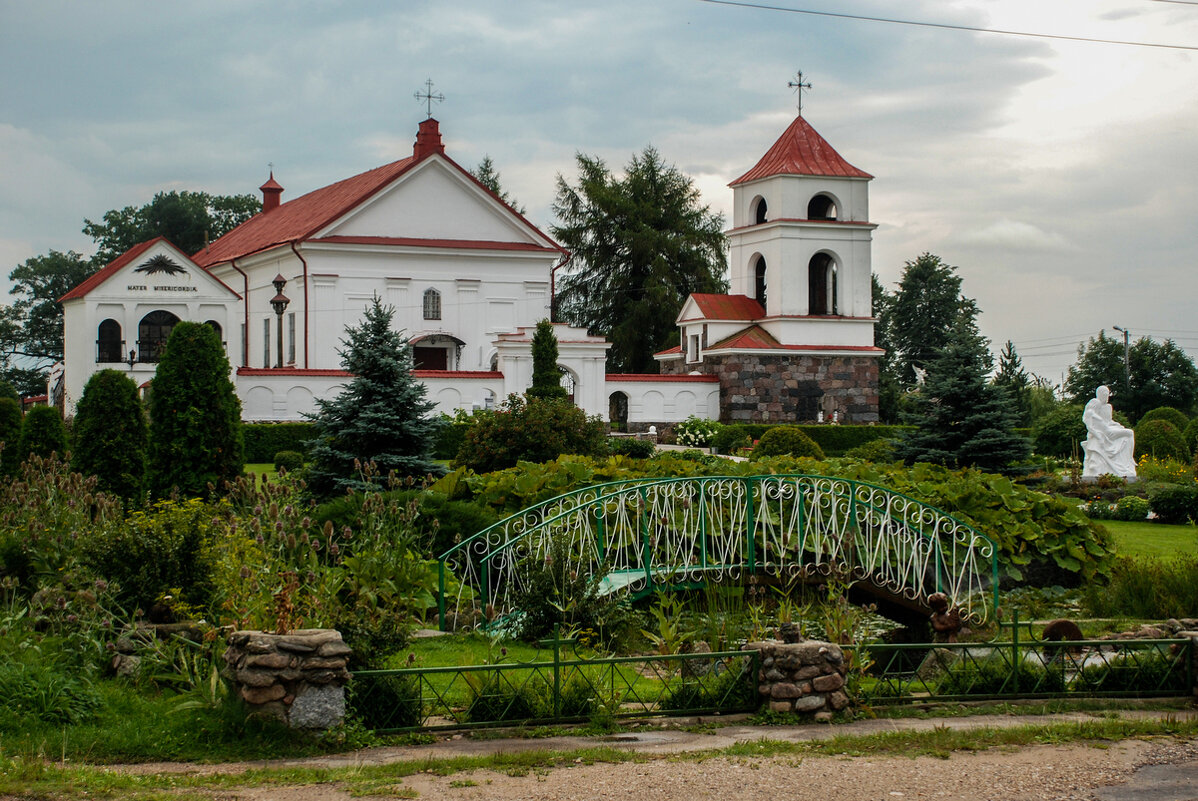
{"x": 428, "y": 96}
{"x": 798, "y": 85}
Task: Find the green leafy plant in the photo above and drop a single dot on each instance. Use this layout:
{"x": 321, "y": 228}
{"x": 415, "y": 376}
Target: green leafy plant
{"x": 696, "y": 432}
{"x": 532, "y": 430}
{"x": 289, "y": 461}
{"x": 1175, "y": 503}
{"x": 787, "y": 441}
{"x": 111, "y": 436}
{"x": 669, "y": 634}
{"x": 43, "y": 433}
{"x": 631, "y": 447}
{"x": 1161, "y": 439}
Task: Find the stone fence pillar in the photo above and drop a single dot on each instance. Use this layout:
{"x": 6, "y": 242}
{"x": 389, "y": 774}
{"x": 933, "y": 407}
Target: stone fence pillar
{"x": 801, "y": 677}
{"x": 298, "y": 677}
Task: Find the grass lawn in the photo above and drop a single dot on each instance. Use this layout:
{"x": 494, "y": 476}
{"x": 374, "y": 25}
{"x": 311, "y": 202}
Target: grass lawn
{"x": 1153, "y": 539}
{"x": 261, "y": 469}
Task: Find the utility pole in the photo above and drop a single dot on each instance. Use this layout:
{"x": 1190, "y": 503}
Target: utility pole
{"x": 1126, "y": 358}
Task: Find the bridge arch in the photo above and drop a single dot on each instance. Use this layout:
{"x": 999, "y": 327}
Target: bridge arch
{"x": 645, "y": 533}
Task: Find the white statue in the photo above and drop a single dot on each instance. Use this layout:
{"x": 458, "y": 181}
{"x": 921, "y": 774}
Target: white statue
{"x": 1109, "y": 447}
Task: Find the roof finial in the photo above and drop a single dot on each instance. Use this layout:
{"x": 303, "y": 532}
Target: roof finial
{"x": 798, "y": 85}
{"x": 428, "y": 96}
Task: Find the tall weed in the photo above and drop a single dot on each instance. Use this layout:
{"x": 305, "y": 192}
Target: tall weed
{"x": 1152, "y": 589}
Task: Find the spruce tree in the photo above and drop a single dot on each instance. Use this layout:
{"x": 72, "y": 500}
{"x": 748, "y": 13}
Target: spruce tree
{"x": 10, "y": 436}
{"x": 1014, "y": 380}
{"x": 43, "y": 433}
{"x": 546, "y": 377}
{"x": 381, "y": 416}
{"x": 195, "y": 415}
{"x": 963, "y": 420}
{"x": 110, "y": 434}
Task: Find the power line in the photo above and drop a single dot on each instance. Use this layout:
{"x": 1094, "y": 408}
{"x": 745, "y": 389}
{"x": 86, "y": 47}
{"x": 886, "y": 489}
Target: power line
{"x": 947, "y": 26}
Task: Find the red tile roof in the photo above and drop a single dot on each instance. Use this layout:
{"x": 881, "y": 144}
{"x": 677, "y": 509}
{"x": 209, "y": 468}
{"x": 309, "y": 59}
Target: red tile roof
{"x": 727, "y": 307}
{"x": 302, "y": 217}
{"x": 801, "y": 151}
{"x": 94, "y": 280}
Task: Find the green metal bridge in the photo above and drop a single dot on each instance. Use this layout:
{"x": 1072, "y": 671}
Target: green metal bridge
{"x": 644, "y": 534}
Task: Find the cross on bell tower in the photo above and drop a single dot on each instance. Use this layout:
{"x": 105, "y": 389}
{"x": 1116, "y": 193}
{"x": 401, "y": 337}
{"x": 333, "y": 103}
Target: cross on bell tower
{"x": 428, "y": 96}
{"x": 799, "y": 85}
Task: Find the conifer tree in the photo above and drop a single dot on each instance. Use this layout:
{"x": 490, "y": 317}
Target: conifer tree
{"x": 43, "y": 433}
{"x": 381, "y": 416}
{"x": 1014, "y": 380}
{"x": 546, "y": 376}
{"x": 963, "y": 420}
{"x": 110, "y": 434}
{"x": 195, "y": 415}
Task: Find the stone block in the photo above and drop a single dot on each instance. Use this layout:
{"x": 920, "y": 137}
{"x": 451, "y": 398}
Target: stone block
{"x": 808, "y": 672}
{"x": 273, "y": 661}
{"x": 785, "y": 689}
{"x": 823, "y": 717}
{"x": 317, "y": 708}
{"x": 262, "y": 695}
{"x": 255, "y": 678}
{"x": 838, "y": 700}
{"x": 781, "y": 706}
{"x": 826, "y": 684}
{"x": 809, "y": 703}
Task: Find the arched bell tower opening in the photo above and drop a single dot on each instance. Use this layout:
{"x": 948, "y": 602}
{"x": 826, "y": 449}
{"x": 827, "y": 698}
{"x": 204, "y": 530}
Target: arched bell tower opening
{"x": 759, "y": 279}
{"x": 760, "y": 210}
{"x": 821, "y": 285}
{"x": 821, "y": 207}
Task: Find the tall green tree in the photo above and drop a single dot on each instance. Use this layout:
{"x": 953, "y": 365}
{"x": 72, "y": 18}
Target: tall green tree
{"x": 381, "y": 416}
{"x": 920, "y": 317}
{"x": 963, "y": 420}
{"x": 488, "y": 176}
{"x": 187, "y": 219}
{"x": 546, "y": 375}
{"x": 641, "y": 243}
{"x": 43, "y": 433}
{"x": 31, "y": 327}
{"x": 195, "y": 415}
{"x": 1012, "y": 379}
{"x": 890, "y": 391}
{"x": 111, "y": 435}
{"x": 1162, "y": 374}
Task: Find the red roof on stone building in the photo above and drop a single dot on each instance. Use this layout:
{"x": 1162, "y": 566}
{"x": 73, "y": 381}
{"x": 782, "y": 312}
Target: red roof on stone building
{"x": 727, "y": 307}
{"x": 800, "y": 150}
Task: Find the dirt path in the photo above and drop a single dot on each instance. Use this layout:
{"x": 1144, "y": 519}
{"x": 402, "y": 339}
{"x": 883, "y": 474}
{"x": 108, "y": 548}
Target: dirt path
{"x": 1037, "y": 772}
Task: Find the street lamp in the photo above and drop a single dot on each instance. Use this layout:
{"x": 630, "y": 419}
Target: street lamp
{"x": 132, "y": 359}
{"x": 1126, "y": 357}
{"x": 279, "y": 304}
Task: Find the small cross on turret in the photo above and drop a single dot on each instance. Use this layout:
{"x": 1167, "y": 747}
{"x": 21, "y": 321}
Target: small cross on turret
{"x": 428, "y": 96}
{"x": 799, "y": 85}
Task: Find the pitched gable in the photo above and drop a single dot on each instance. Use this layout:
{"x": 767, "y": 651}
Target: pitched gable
{"x": 154, "y": 267}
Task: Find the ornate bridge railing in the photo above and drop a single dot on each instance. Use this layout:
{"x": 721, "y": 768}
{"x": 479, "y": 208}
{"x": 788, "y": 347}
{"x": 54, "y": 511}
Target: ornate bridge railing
{"x": 648, "y": 532}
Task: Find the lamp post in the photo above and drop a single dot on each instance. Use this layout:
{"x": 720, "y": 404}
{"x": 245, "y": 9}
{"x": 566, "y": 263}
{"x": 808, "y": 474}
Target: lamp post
{"x": 279, "y": 304}
{"x": 132, "y": 359}
{"x": 1126, "y": 357}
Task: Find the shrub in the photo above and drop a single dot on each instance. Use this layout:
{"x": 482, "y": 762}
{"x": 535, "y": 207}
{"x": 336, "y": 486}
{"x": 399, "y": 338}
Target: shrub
{"x": 110, "y": 434}
{"x": 1177, "y": 503}
{"x": 1162, "y": 440}
{"x": 731, "y": 438}
{"x": 994, "y": 676}
{"x": 546, "y": 375}
{"x": 1148, "y": 589}
{"x": 289, "y": 461}
{"x": 1167, "y": 470}
{"x": 1134, "y": 672}
{"x": 264, "y": 440}
{"x": 695, "y": 432}
{"x": 10, "y": 435}
{"x": 723, "y": 690}
{"x": 164, "y": 549}
{"x": 787, "y": 441}
{"x": 195, "y": 415}
{"x": 440, "y": 523}
{"x": 386, "y": 702}
{"x": 504, "y": 696}
{"x": 450, "y": 435}
{"x": 878, "y": 450}
{"x": 1191, "y": 435}
{"x": 533, "y": 430}
{"x": 47, "y": 694}
{"x": 43, "y": 433}
{"x": 838, "y": 440}
{"x": 1131, "y": 508}
{"x": 1060, "y": 432}
{"x": 631, "y": 447}
{"x": 1174, "y": 416}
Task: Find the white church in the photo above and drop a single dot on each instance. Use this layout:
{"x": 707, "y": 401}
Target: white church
{"x": 469, "y": 278}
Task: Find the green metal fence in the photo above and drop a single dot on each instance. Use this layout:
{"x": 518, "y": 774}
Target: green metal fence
{"x": 563, "y": 688}
{"x": 1025, "y": 667}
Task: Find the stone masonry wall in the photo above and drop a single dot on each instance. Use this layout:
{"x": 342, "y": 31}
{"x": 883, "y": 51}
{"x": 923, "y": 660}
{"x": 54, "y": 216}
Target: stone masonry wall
{"x": 801, "y": 677}
{"x": 298, "y": 677}
{"x": 759, "y": 388}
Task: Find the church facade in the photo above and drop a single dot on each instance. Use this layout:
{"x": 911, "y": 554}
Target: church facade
{"x": 469, "y": 278}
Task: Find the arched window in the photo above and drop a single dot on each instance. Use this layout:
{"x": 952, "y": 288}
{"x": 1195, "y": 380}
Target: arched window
{"x": 617, "y": 411}
{"x": 109, "y": 345}
{"x": 152, "y": 334}
{"x": 821, "y": 207}
{"x": 821, "y": 285}
{"x": 432, "y": 304}
{"x": 569, "y": 382}
{"x": 759, "y": 275}
{"x": 215, "y": 326}
{"x": 759, "y": 210}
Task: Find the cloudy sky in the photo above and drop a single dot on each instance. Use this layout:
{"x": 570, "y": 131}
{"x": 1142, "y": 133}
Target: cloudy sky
{"x": 1059, "y": 176}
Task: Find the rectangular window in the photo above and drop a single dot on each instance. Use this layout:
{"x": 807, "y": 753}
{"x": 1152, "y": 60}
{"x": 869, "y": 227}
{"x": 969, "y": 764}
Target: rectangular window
{"x": 432, "y": 304}
{"x": 266, "y": 342}
{"x": 692, "y": 348}
{"x": 291, "y": 338}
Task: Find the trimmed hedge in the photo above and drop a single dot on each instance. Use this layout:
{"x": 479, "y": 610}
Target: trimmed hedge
{"x": 264, "y": 440}
{"x": 834, "y": 440}
{"x": 1161, "y": 439}
{"x": 787, "y": 441}
{"x": 1174, "y": 416}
